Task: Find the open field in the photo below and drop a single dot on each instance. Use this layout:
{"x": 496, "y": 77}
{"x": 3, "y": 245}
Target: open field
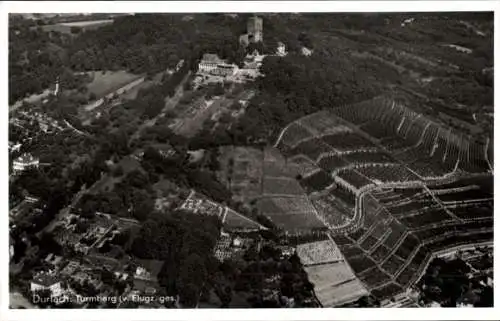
{"x": 104, "y": 83}
{"x": 318, "y": 253}
{"x": 334, "y": 281}
{"x": 264, "y": 177}
{"x": 334, "y": 284}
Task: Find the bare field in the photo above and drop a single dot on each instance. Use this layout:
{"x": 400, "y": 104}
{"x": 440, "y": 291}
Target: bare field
{"x": 334, "y": 281}
{"x": 334, "y": 285}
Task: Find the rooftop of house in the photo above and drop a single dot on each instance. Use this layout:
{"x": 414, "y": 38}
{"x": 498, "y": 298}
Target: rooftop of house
{"x": 26, "y": 158}
{"x": 306, "y": 51}
{"x": 153, "y": 267}
{"x": 45, "y": 279}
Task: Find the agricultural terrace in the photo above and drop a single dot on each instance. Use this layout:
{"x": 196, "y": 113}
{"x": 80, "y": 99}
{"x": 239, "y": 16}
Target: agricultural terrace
{"x": 399, "y": 229}
{"x": 278, "y": 179}
{"x": 392, "y": 186}
{"x": 334, "y": 282}
{"x": 263, "y": 178}
{"x": 283, "y": 200}
{"x": 389, "y": 133}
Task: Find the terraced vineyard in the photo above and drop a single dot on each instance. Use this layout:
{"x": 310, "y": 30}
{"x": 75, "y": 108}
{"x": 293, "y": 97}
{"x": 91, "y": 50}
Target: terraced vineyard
{"x": 283, "y": 199}
{"x": 392, "y": 186}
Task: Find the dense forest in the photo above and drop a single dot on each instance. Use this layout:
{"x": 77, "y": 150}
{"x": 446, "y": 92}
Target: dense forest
{"x": 184, "y": 242}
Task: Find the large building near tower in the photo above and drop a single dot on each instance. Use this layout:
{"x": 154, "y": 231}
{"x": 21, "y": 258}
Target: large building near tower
{"x": 212, "y": 64}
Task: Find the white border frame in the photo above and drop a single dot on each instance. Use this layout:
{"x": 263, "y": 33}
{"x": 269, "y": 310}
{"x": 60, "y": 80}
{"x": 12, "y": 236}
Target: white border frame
{"x": 226, "y": 314}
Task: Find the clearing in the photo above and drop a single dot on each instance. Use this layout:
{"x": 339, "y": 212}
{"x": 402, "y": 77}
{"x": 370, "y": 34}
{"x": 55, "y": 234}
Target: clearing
{"x": 105, "y": 82}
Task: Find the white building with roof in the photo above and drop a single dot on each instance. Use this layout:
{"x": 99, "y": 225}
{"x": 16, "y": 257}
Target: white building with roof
{"x": 47, "y": 281}
{"x": 212, "y": 64}
{"x": 24, "y": 162}
{"x": 281, "y": 50}
{"x": 306, "y": 51}
{"x": 14, "y": 147}
{"x": 11, "y": 247}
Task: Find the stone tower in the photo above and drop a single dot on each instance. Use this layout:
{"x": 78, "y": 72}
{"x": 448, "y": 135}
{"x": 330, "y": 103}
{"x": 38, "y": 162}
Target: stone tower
{"x": 254, "y": 29}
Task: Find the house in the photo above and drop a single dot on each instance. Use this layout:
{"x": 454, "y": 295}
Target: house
{"x": 24, "y": 162}
{"x": 165, "y": 150}
{"x": 11, "y": 247}
{"x": 281, "y": 50}
{"x": 237, "y": 242}
{"x": 253, "y": 61}
{"x": 14, "y": 147}
{"x": 286, "y": 251}
{"x": 121, "y": 276}
{"x": 146, "y": 276}
{"x": 44, "y": 126}
{"x": 148, "y": 270}
{"x": 142, "y": 273}
{"x": 306, "y": 51}
{"x": 407, "y": 21}
{"x": 47, "y": 281}
{"x": 212, "y": 64}
{"x": 209, "y": 62}
{"x": 179, "y": 65}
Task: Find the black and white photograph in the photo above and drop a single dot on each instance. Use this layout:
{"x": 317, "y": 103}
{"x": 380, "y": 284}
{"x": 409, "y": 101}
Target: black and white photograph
{"x": 250, "y": 159}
